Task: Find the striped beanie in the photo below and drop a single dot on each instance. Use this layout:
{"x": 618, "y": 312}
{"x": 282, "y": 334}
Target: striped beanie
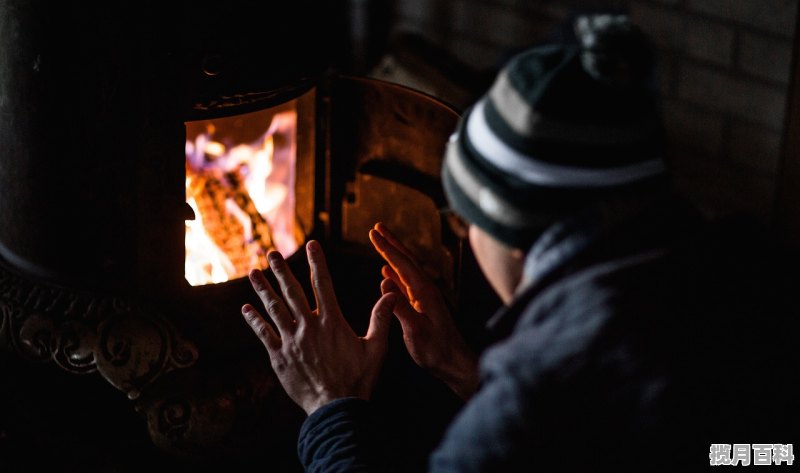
{"x": 562, "y": 126}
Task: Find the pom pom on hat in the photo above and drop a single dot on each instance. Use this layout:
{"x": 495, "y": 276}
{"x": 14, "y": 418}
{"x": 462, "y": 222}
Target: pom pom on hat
{"x": 613, "y": 49}
{"x": 561, "y": 126}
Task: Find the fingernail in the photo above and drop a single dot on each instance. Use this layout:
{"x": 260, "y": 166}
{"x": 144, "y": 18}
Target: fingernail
{"x": 255, "y": 280}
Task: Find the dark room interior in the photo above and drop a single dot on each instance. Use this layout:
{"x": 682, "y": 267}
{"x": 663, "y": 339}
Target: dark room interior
{"x": 130, "y": 211}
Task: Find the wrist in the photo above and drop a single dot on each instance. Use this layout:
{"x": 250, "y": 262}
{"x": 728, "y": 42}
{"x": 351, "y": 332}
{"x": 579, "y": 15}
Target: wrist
{"x": 461, "y": 376}
{"x": 324, "y": 399}
{"x": 312, "y": 406}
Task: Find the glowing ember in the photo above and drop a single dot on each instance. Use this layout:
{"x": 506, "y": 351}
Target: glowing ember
{"x": 242, "y": 193}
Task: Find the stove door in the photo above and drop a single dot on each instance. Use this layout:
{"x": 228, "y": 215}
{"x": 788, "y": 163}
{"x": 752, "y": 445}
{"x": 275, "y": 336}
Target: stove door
{"x": 386, "y": 148}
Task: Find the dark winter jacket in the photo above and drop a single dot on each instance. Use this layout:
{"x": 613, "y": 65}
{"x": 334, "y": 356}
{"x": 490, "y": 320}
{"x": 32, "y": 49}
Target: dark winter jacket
{"x": 640, "y": 336}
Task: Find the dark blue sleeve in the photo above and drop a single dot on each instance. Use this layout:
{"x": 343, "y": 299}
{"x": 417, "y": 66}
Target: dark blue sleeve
{"x": 339, "y": 437}
{"x": 492, "y": 433}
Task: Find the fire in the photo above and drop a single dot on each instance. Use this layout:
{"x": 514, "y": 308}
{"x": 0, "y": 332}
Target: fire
{"x": 242, "y": 193}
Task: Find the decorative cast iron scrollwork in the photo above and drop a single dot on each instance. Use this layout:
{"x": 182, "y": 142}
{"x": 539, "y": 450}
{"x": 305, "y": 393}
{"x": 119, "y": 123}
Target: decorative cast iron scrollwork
{"x": 133, "y": 349}
{"x": 83, "y": 333}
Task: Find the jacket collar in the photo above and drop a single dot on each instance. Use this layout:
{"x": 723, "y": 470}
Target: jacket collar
{"x": 601, "y": 233}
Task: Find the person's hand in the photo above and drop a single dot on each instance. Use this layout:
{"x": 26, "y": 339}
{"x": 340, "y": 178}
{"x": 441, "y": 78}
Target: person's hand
{"x": 315, "y": 354}
{"x": 429, "y": 333}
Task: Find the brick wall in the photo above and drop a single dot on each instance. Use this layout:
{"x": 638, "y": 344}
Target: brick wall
{"x": 724, "y": 68}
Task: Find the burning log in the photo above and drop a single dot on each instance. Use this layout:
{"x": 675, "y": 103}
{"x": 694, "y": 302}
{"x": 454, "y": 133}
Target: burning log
{"x": 231, "y": 220}
{"x": 239, "y": 193}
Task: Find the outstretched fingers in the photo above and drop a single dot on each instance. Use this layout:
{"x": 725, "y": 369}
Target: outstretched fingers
{"x": 390, "y": 237}
{"x": 291, "y": 289}
{"x": 276, "y": 309}
{"x": 401, "y": 263}
{"x": 390, "y": 274}
{"x": 321, "y": 280}
{"x": 262, "y": 328}
{"x": 402, "y": 308}
{"x": 403, "y": 271}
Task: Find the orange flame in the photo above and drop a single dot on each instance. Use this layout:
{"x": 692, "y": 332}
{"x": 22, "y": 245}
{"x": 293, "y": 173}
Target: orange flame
{"x": 242, "y": 195}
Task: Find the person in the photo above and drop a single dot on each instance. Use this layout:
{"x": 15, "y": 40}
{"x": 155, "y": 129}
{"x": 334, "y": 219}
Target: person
{"x": 629, "y": 336}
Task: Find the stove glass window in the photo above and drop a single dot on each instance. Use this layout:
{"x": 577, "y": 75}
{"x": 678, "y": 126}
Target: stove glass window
{"x": 240, "y": 183}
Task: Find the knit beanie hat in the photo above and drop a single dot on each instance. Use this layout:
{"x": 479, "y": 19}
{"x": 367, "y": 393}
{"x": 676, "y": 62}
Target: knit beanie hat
{"x": 562, "y": 126}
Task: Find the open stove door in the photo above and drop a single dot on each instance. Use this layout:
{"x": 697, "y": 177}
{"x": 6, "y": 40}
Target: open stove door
{"x": 385, "y": 155}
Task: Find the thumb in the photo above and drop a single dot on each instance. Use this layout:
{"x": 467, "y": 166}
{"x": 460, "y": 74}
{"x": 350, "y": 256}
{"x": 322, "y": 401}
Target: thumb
{"x": 381, "y": 319}
{"x": 402, "y": 308}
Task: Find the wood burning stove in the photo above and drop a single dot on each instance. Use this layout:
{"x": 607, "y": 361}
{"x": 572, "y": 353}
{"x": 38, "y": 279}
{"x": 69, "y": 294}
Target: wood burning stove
{"x": 143, "y": 174}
